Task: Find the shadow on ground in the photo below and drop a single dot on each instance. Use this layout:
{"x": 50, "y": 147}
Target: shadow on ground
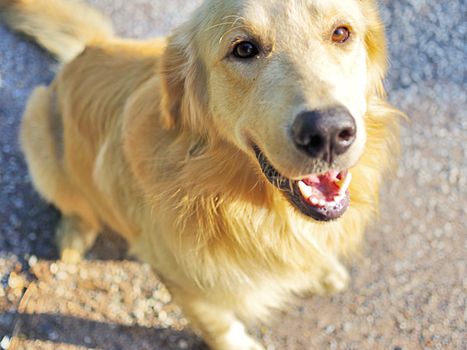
{"x": 99, "y": 335}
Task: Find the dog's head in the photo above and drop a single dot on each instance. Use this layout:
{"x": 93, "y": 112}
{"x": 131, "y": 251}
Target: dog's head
{"x": 287, "y": 82}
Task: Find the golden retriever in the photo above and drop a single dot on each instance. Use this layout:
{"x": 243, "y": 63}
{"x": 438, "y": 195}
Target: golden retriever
{"x": 241, "y": 157}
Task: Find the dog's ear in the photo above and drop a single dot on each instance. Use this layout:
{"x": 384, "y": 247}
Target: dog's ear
{"x": 375, "y": 41}
{"x": 184, "y": 92}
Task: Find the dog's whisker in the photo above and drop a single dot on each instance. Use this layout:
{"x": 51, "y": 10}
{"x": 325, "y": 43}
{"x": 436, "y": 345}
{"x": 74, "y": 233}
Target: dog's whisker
{"x": 237, "y": 20}
{"x": 234, "y": 16}
{"x": 230, "y": 30}
{"x": 231, "y": 23}
{"x": 218, "y": 25}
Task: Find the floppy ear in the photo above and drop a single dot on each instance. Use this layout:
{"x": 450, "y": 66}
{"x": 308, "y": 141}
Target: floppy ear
{"x": 184, "y": 90}
{"x": 375, "y": 41}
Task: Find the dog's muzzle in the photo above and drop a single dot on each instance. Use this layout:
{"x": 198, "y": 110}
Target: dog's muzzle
{"x": 324, "y": 134}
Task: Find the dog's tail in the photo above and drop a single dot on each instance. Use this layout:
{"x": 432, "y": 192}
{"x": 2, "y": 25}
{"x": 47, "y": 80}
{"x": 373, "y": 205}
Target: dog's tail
{"x": 63, "y": 27}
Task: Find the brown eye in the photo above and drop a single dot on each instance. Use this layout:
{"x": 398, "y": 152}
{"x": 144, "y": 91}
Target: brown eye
{"x": 341, "y": 35}
{"x": 245, "y": 50}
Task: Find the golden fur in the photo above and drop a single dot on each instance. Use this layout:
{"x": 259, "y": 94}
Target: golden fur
{"x": 148, "y": 138}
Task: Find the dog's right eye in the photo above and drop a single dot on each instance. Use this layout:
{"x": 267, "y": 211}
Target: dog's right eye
{"x": 245, "y": 50}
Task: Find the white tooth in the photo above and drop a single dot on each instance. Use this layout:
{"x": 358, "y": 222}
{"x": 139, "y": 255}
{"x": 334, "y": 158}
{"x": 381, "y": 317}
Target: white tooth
{"x": 305, "y": 189}
{"x": 322, "y": 202}
{"x": 314, "y": 201}
{"x": 345, "y": 184}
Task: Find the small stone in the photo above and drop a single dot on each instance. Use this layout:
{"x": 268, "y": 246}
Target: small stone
{"x": 5, "y": 343}
{"x": 32, "y": 261}
{"x": 54, "y": 335}
{"x": 53, "y": 268}
{"x": 347, "y": 327}
{"x": 162, "y": 316}
{"x": 16, "y": 281}
{"x": 183, "y": 344}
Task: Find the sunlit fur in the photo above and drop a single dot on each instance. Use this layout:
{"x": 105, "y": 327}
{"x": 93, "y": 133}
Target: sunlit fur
{"x": 127, "y": 137}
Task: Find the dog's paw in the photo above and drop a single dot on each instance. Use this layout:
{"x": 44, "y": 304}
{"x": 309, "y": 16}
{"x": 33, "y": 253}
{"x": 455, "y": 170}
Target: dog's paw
{"x": 244, "y": 343}
{"x": 71, "y": 245}
{"x": 336, "y": 280}
{"x": 73, "y": 239}
{"x": 71, "y": 256}
{"x": 332, "y": 279}
{"x": 236, "y": 339}
{"x": 252, "y": 344}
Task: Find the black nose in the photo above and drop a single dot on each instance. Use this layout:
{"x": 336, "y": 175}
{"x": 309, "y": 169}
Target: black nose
{"x": 324, "y": 134}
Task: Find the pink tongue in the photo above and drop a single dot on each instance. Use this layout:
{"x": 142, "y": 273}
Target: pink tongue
{"x": 326, "y": 184}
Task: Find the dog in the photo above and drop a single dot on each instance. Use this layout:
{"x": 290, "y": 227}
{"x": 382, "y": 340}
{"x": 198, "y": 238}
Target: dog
{"x": 241, "y": 156}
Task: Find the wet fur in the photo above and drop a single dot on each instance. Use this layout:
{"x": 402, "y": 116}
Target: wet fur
{"x": 123, "y": 138}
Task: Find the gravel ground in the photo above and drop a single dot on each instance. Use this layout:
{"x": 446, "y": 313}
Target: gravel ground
{"x": 409, "y": 285}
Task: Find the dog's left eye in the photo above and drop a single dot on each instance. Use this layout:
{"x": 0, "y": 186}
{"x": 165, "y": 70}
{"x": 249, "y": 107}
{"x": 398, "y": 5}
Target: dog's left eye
{"x": 341, "y": 34}
{"x": 245, "y": 50}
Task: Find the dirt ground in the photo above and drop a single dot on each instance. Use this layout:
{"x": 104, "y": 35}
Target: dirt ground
{"x": 409, "y": 284}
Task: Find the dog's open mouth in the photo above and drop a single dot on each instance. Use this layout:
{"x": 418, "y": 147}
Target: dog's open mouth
{"x": 323, "y": 197}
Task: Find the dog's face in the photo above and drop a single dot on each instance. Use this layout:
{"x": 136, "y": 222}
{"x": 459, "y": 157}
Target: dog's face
{"x": 288, "y": 83}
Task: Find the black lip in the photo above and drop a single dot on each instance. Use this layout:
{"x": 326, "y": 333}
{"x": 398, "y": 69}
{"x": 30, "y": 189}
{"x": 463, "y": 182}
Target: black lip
{"x": 291, "y": 190}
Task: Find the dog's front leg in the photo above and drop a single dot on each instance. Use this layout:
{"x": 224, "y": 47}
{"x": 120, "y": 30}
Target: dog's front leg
{"x": 218, "y": 326}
